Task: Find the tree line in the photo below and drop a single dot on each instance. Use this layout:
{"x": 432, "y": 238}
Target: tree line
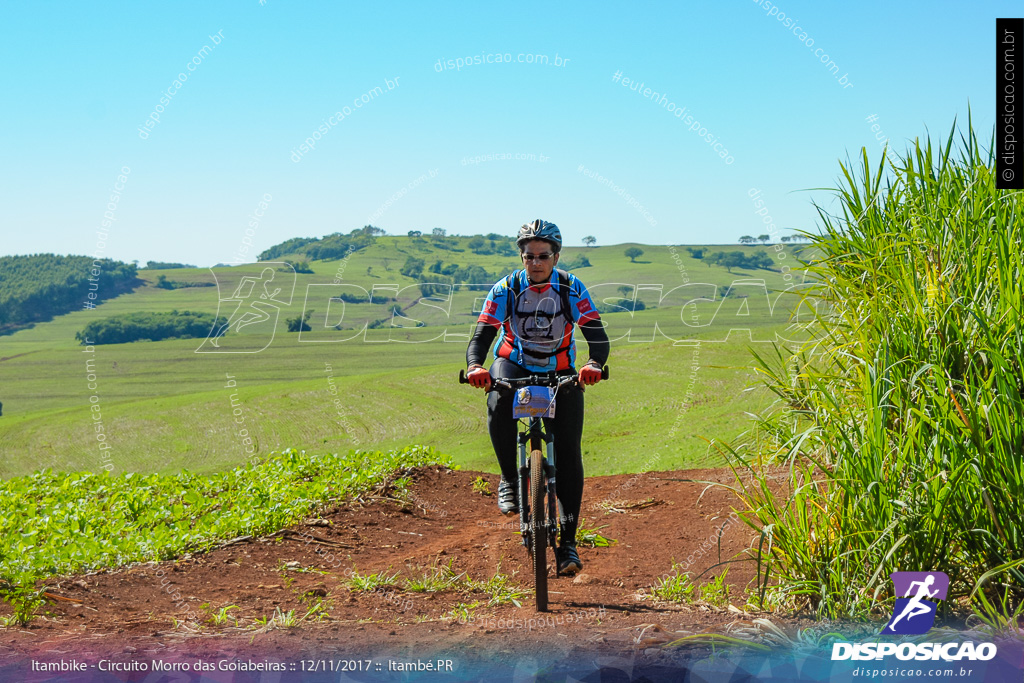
{"x": 38, "y": 287}
{"x": 759, "y": 260}
{"x": 433, "y": 280}
{"x": 163, "y": 283}
{"x": 329, "y": 248}
{"x": 339, "y": 245}
{"x": 165, "y": 265}
{"x": 765, "y": 239}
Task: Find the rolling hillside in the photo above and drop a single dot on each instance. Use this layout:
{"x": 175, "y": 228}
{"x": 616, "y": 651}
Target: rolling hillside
{"x": 164, "y": 406}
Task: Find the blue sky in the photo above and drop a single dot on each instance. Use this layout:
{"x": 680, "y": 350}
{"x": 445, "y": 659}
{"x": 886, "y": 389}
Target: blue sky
{"x": 81, "y": 78}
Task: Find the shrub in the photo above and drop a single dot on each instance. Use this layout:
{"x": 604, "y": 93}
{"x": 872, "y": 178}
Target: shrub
{"x": 300, "y": 323}
{"x": 132, "y": 327}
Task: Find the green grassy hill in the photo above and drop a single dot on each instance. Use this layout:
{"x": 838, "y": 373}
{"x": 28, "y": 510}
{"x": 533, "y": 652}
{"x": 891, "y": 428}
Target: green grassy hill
{"x": 164, "y": 406}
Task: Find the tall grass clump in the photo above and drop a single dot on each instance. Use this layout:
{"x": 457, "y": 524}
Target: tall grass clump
{"x": 898, "y": 432}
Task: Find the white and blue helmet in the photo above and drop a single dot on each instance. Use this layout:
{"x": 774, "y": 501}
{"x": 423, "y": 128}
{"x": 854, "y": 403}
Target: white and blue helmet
{"x": 540, "y": 230}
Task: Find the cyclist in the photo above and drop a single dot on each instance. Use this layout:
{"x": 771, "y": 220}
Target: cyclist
{"x": 534, "y": 310}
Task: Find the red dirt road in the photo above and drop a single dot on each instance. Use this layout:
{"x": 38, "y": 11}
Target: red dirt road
{"x": 132, "y": 611}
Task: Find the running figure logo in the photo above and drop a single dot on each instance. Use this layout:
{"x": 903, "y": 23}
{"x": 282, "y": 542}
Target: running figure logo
{"x": 251, "y": 298}
{"x": 914, "y": 613}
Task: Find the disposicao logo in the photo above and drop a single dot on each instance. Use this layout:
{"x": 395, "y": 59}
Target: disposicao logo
{"x": 914, "y": 614}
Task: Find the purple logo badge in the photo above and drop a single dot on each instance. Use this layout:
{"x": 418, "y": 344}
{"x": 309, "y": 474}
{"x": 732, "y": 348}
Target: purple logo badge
{"x": 916, "y": 594}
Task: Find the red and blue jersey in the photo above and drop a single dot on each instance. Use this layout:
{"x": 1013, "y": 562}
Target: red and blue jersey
{"x": 534, "y": 329}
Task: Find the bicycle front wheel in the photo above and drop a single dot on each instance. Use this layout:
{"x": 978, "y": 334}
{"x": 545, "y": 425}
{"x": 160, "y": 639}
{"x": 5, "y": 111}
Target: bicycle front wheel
{"x": 538, "y": 535}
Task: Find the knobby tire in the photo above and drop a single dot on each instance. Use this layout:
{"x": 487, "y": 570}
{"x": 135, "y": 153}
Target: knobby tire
{"x": 538, "y": 535}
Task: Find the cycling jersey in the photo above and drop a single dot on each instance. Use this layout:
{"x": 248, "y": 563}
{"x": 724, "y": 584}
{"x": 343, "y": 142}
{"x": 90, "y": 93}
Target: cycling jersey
{"x": 536, "y": 330}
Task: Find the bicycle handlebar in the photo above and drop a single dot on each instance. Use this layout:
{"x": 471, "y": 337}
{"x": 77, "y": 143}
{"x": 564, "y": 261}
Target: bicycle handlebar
{"x": 535, "y": 380}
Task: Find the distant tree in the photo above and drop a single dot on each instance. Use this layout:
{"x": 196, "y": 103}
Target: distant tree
{"x": 369, "y": 271}
{"x": 298, "y": 266}
{"x": 477, "y": 243}
{"x": 715, "y": 259}
{"x": 574, "y": 263}
{"x": 300, "y": 323}
{"x": 746, "y": 239}
{"x": 696, "y": 253}
{"x": 763, "y": 239}
{"x": 387, "y": 264}
{"x": 436, "y": 268}
{"x": 413, "y": 267}
{"x": 1, "y": 409}
{"x": 626, "y": 291}
{"x": 415, "y": 233}
{"x": 620, "y": 306}
{"x": 439, "y": 232}
{"x": 475, "y": 275}
{"x": 633, "y": 253}
{"x": 784, "y": 239}
{"x": 590, "y": 240}
{"x": 734, "y": 259}
{"x": 163, "y": 283}
{"x": 760, "y": 259}
{"x": 493, "y": 236}
{"x": 351, "y": 298}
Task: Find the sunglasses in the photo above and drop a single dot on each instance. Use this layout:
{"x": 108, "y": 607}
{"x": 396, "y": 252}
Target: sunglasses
{"x": 537, "y": 257}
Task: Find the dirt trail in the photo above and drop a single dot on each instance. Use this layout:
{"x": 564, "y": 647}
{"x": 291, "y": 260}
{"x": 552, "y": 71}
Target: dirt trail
{"x": 134, "y": 609}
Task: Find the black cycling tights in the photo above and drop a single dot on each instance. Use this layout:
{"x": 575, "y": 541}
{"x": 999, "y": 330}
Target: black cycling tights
{"x": 566, "y": 425}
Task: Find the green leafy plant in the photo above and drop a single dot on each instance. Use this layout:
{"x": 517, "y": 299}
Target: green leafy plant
{"x": 462, "y": 612}
{"x": 501, "y": 589}
{"x": 482, "y": 486}
{"x": 435, "y": 579}
{"x": 25, "y": 599}
{"x": 221, "y": 617}
{"x": 279, "y": 619}
{"x": 371, "y": 582}
{"x": 676, "y": 588}
{"x": 716, "y": 591}
{"x": 590, "y": 537}
{"x": 317, "y": 610}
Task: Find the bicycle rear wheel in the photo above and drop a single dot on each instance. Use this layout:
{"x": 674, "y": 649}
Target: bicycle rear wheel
{"x": 538, "y": 536}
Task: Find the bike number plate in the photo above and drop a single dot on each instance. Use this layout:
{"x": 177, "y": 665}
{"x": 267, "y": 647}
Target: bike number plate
{"x": 534, "y": 401}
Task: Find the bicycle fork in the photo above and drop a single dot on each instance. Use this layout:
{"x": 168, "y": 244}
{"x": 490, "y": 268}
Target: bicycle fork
{"x": 549, "y": 466}
{"x": 524, "y": 489}
{"x": 533, "y": 436}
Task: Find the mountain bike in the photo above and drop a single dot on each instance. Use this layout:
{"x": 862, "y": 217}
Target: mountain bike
{"x": 538, "y": 523}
